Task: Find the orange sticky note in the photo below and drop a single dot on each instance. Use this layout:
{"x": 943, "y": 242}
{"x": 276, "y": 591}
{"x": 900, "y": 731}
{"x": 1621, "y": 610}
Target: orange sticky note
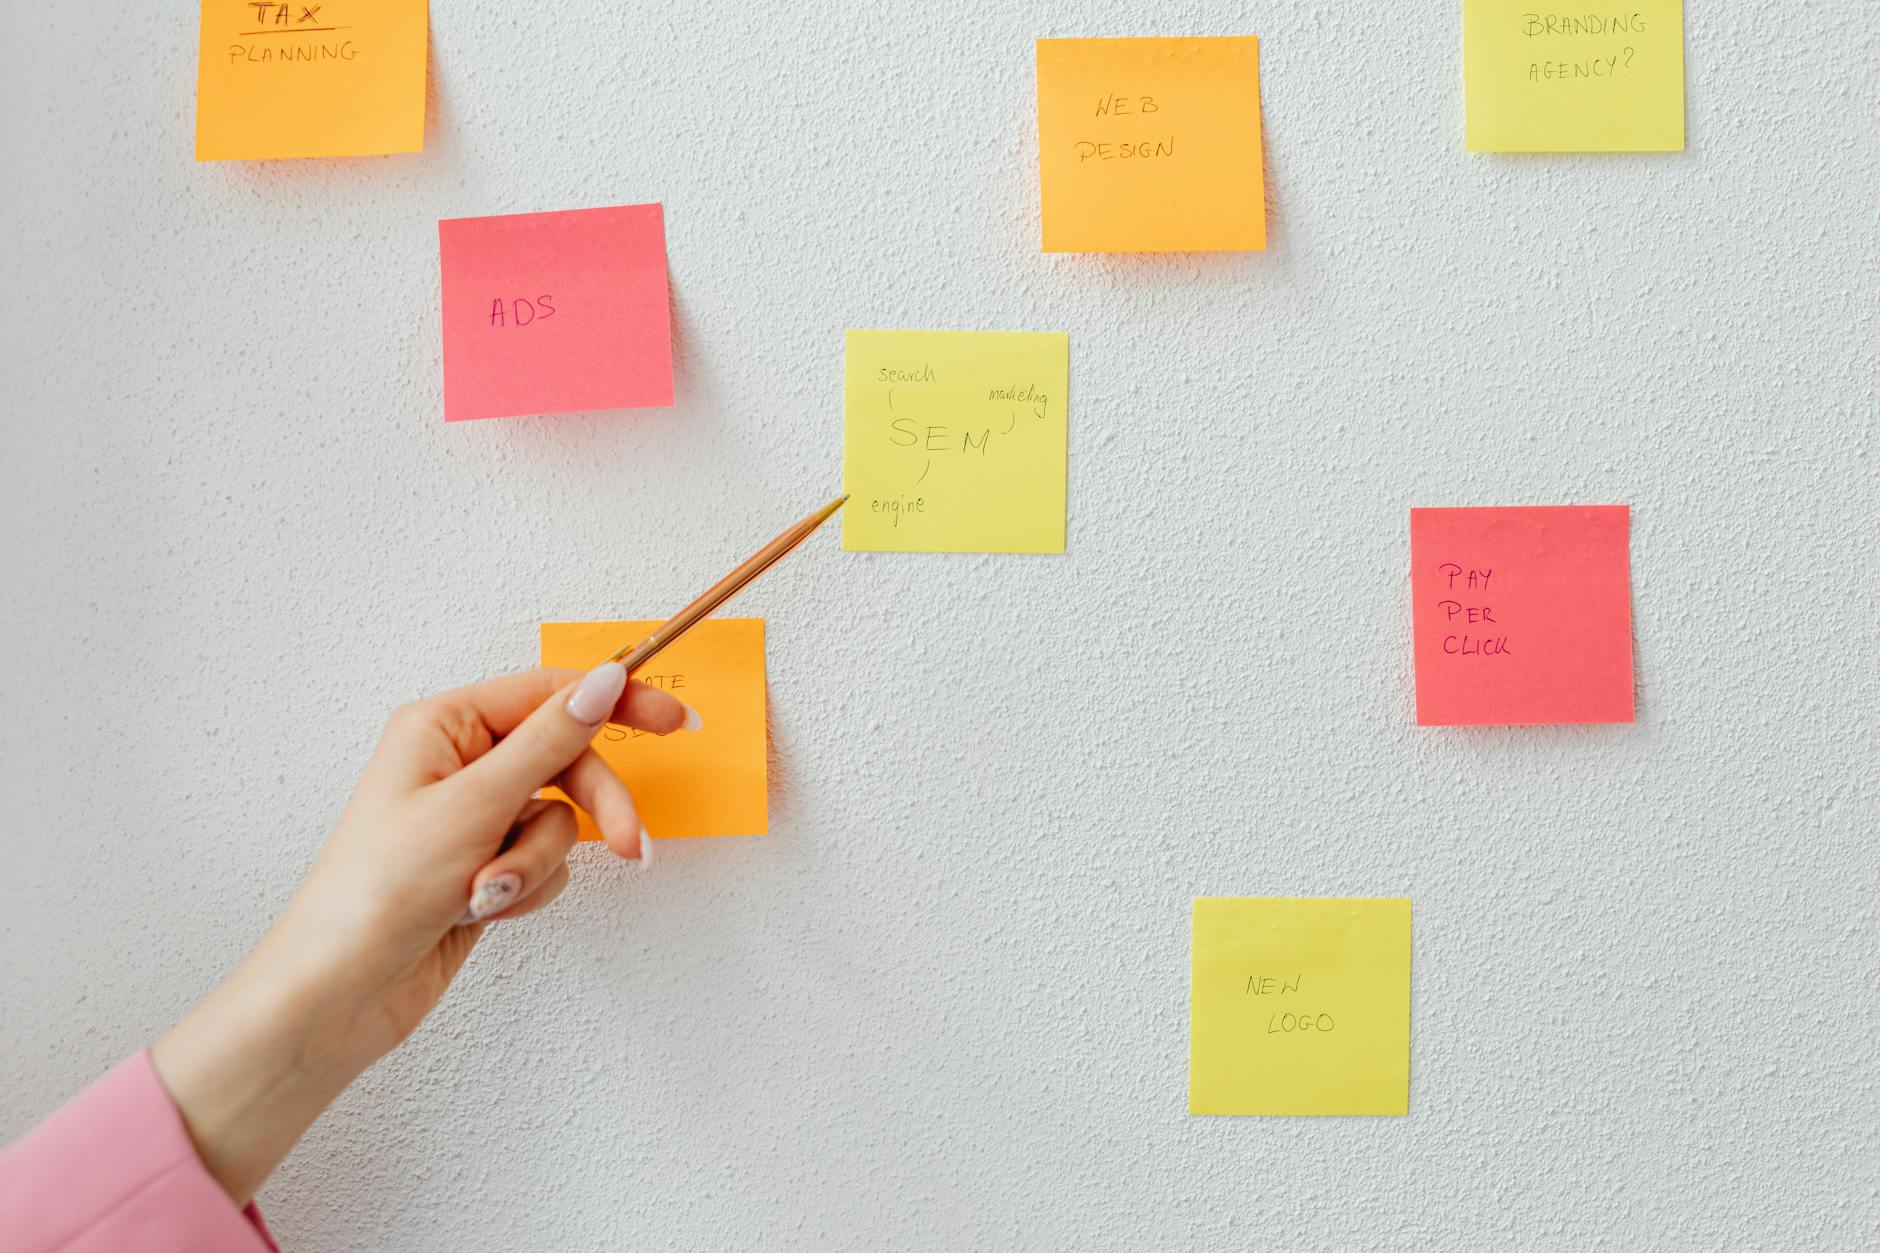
{"x": 706, "y": 782}
{"x": 555, "y": 312}
{"x": 1151, "y": 145}
{"x": 1522, "y": 615}
{"x": 316, "y": 78}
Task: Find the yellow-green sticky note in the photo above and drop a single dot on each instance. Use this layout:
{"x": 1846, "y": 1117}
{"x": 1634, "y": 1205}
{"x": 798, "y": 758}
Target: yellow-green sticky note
{"x": 1300, "y": 1006}
{"x": 954, "y": 441}
{"x": 1605, "y": 80}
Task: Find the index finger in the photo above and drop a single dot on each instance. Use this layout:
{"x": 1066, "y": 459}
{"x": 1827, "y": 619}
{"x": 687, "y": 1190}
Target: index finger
{"x": 461, "y": 725}
{"x": 502, "y": 703}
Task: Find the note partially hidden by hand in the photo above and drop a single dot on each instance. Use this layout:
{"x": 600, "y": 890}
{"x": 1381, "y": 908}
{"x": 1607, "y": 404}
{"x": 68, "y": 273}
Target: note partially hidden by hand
{"x": 705, "y": 782}
{"x": 555, "y": 312}
{"x": 954, "y": 441}
{"x": 338, "y": 78}
{"x": 1522, "y": 615}
{"x": 1299, "y": 1006}
{"x": 1573, "y": 79}
{"x": 1151, "y": 145}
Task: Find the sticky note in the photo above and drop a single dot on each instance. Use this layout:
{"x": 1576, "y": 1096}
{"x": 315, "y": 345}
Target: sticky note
{"x": 954, "y": 441}
{"x": 555, "y": 312}
{"x": 706, "y": 782}
{"x": 336, "y": 78}
{"x": 1574, "y": 79}
{"x": 1522, "y": 615}
{"x": 1299, "y": 1006}
{"x": 1151, "y": 145}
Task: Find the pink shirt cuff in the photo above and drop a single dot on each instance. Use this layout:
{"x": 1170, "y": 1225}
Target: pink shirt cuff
{"x": 114, "y": 1170}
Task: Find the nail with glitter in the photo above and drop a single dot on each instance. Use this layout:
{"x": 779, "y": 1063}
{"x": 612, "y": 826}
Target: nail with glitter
{"x": 492, "y": 898}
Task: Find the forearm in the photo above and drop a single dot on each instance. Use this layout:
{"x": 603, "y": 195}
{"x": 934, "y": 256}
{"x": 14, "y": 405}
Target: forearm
{"x": 255, "y": 1064}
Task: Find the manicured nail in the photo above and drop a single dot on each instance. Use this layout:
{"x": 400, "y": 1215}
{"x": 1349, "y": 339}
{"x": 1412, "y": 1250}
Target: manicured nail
{"x": 492, "y": 898}
{"x": 646, "y": 848}
{"x": 594, "y": 696}
{"x": 692, "y": 720}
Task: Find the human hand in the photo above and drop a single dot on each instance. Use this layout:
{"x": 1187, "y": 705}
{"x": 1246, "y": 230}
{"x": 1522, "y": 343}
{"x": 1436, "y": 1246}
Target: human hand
{"x": 442, "y": 837}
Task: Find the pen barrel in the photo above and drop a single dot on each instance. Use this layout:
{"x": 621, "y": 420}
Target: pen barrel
{"x": 723, "y": 590}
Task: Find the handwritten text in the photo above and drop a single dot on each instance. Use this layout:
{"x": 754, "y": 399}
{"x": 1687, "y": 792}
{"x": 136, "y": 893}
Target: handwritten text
{"x": 1458, "y": 580}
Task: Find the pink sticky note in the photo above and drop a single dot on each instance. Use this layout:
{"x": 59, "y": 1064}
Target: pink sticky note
{"x": 555, "y": 312}
{"x": 1522, "y": 615}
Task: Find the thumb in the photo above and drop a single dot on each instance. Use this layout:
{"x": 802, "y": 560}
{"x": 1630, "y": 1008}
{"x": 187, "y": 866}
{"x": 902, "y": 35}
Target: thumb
{"x": 548, "y": 740}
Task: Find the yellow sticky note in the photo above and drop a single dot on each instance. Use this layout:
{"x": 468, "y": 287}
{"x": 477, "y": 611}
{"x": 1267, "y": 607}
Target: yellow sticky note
{"x": 1586, "y": 80}
{"x": 1151, "y": 145}
{"x": 1300, "y": 1006}
{"x": 332, "y": 78}
{"x": 706, "y": 782}
{"x": 954, "y": 441}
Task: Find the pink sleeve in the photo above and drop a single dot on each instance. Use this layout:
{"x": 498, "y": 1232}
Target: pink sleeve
{"x": 115, "y": 1170}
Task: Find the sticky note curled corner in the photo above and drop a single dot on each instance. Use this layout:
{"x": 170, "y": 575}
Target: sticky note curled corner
{"x": 955, "y": 441}
{"x": 335, "y": 79}
{"x": 555, "y": 312}
{"x": 1299, "y": 1006}
{"x": 1522, "y": 615}
{"x": 1583, "y": 79}
{"x": 1151, "y": 145}
{"x": 711, "y": 781}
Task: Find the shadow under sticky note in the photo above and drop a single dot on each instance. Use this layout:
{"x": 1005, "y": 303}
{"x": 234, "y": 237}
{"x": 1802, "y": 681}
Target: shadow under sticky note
{"x": 1522, "y": 615}
{"x": 1151, "y": 145}
{"x": 340, "y": 78}
{"x": 555, "y": 312}
{"x": 1299, "y": 1006}
{"x": 954, "y": 441}
{"x": 1589, "y": 80}
{"x": 706, "y": 782}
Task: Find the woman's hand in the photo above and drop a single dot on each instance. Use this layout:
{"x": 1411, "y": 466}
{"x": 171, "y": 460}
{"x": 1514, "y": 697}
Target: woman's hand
{"x": 443, "y": 836}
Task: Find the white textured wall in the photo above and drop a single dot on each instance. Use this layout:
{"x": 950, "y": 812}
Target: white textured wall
{"x": 944, "y": 1005}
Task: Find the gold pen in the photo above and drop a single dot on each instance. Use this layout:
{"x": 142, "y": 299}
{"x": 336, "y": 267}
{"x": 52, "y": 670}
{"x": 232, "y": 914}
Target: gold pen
{"x": 636, "y": 655}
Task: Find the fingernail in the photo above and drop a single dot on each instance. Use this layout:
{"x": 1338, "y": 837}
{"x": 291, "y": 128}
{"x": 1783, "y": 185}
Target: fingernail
{"x": 646, "y": 847}
{"x": 594, "y": 696}
{"x": 492, "y": 898}
{"x": 692, "y": 720}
